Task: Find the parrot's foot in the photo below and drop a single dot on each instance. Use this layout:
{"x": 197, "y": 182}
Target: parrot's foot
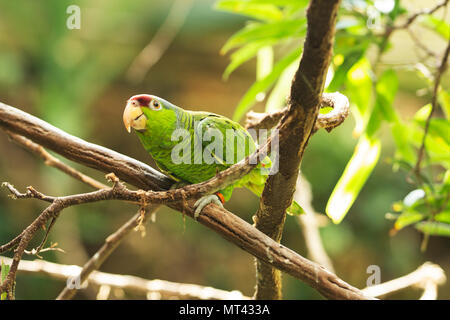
{"x": 205, "y": 200}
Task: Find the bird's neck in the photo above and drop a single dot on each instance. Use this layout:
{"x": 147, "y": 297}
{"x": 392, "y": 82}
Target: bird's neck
{"x": 160, "y": 132}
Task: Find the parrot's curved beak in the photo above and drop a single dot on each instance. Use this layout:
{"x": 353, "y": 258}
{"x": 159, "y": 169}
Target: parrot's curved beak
{"x": 133, "y": 117}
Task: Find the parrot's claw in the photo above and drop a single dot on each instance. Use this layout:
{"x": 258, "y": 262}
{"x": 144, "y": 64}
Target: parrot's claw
{"x": 204, "y": 201}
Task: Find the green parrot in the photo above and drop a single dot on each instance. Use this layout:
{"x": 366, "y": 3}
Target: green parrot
{"x": 208, "y": 142}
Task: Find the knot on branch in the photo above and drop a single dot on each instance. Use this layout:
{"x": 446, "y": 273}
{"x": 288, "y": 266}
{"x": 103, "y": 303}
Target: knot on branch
{"x": 327, "y": 121}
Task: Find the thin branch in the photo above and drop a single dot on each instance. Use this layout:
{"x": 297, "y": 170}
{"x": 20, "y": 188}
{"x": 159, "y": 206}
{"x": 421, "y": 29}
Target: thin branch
{"x": 111, "y": 243}
{"x": 437, "y": 82}
{"x": 295, "y": 128}
{"x": 54, "y": 162}
{"x": 309, "y": 224}
{"x": 419, "y": 44}
{"x": 422, "y": 277}
{"x": 165, "y": 35}
{"x": 165, "y": 289}
{"x": 389, "y": 30}
{"x": 226, "y": 224}
{"x": 416, "y": 15}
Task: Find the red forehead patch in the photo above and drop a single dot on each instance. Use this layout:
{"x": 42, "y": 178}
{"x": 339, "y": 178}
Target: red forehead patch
{"x": 142, "y": 99}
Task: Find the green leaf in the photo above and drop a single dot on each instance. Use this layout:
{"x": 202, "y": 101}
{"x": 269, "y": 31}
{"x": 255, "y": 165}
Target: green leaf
{"x": 262, "y": 11}
{"x": 443, "y": 216}
{"x": 444, "y": 100}
{"x": 405, "y": 151}
{"x": 341, "y": 72}
{"x": 423, "y": 113}
{"x": 438, "y": 150}
{"x": 446, "y": 182}
{"x": 266, "y": 31}
{"x": 295, "y": 209}
{"x": 438, "y": 139}
{"x": 4, "y": 272}
{"x": 375, "y": 120}
{"x": 407, "y": 218}
{"x": 262, "y": 85}
{"x": 280, "y": 3}
{"x": 398, "y": 10}
{"x": 244, "y": 54}
{"x": 386, "y": 89}
{"x": 279, "y": 94}
{"x": 439, "y": 26}
{"x": 359, "y": 88}
{"x": 355, "y": 175}
{"x": 440, "y": 128}
{"x": 264, "y": 62}
{"x": 434, "y": 228}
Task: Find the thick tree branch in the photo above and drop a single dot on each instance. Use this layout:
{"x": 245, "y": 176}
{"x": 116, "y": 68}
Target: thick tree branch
{"x": 142, "y": 176}
{"x": 295, "y": 129}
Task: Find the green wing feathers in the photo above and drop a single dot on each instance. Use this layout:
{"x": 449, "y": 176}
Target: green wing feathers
{"x": 236, "y": 144}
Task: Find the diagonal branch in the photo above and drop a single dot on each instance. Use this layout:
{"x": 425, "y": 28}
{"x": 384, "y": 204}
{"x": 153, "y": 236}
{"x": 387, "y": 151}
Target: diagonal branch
{"x": 437, "y": 82}
{"x": 111, "y": 243}
{"x": 165, "y": 35}
{"x": 295, "y": 129}
{"x": 54, "y": 162}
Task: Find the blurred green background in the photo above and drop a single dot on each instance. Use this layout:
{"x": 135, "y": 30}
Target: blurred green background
{"x": 75, "y": 79}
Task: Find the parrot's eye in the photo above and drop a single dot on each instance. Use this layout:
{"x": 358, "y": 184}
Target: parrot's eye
{"x": 155, "y": 105}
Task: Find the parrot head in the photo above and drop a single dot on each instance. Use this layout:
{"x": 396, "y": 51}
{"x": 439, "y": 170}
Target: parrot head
{"x": 139, "y": 109}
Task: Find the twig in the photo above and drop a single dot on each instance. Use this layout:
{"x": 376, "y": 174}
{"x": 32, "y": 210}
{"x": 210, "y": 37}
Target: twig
{"x": 389, "y": 30}
{"x": 160, "y": 42}
{"x": 295, "y": 129}
{"x": 165, "y": 289}
{"x": 111, "y": 243}
{"x": 424, "y": 276}
{"x": 437, "y": 82}
{"x": 428, "y": 51}
{"x": 414, "y": 16}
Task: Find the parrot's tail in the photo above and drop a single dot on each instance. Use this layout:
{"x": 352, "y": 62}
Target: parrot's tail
{"x": 257, "y": 189}
{"x": 256, "y": 180}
